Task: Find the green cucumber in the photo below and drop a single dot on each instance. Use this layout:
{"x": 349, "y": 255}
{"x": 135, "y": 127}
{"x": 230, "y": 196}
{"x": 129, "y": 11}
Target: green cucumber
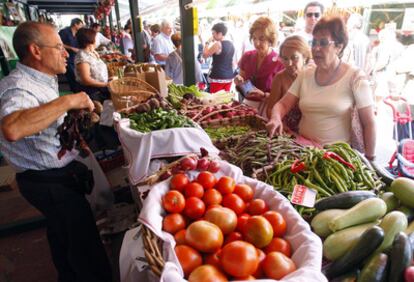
{"x": 391, "y": 201}
{"x": 410, "y": 228}
{"x": 320, "y": 222}
{"x": 409, "y": 213}
{"x": 400, "y": 257}
{"x": 344, "y": 200}
{"x": 366, "y": 244}
{"x": 366, "y": 211}
{"x": 375, "y": 270}
{"x": 338, "y": 243}
{"x": 392, "y": 224}
{"x": 403, "y": 189}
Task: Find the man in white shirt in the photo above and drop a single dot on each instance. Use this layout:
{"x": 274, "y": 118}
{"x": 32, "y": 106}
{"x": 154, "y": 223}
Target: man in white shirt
{"x": 100, "y": 38}
{"x": 313, "y": 12}
{"x": 162, "y": 45}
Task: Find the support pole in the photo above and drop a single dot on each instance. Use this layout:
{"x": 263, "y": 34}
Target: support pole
{"x": 136, "y": 30}
{"x": 188, "y": 23}
{"x": 118, "y": 24}
{"x": 111, "y": 25}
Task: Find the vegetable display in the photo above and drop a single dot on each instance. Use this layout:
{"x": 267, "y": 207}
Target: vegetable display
{"x": 257, "y": 150}
{"x": 176, "y": 93}
{"x": 371, "y": 234}
{"x": 227, "y": 131}
{"x": 335, "y": 169}
{"x": 221, "y": 231}
{"x": 158, "y": 119}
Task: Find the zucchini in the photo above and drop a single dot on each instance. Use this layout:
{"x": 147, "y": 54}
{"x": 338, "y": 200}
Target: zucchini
{"x": 410, "y": 228}
{"x": 338, "y": 243}
{"x": 400, "y": 257}
{"x": 366, "y": 211}
{"x": 367, "y": 243}
{"x": 403, "y": 189}
{"x": 392, "y": 224}
{"x": 344, "y": 200}
{"x": 391, "y": 201}
{"x": 375, "y": 270}
{"x": 320, "y": 222}
{"x": 409, "y": 213}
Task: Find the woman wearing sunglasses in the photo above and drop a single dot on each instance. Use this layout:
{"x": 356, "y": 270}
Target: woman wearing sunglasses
{"x": 259, "y": 66}
{"x": 328, "y": 93}
{"x": 295, "y": 54}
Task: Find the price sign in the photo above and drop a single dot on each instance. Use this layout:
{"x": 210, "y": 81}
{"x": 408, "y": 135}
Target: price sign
{"x": 303, "y": 196}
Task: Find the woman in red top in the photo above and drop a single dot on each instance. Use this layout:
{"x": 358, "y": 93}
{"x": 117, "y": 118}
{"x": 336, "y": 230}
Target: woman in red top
{"x": 260, "y": 65}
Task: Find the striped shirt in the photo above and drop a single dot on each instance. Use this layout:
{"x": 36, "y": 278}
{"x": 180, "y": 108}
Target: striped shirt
{"x": 27, "y": 88}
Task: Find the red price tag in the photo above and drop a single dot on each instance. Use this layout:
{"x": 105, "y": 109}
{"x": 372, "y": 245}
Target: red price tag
{"x": 303, "y": 196}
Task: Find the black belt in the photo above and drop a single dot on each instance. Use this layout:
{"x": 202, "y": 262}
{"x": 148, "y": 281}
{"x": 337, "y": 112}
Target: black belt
{"x": 74, "y": 174}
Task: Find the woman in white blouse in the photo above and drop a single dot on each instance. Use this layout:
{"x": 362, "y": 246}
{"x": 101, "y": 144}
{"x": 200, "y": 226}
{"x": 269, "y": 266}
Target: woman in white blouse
{"x": 91, "y": 72}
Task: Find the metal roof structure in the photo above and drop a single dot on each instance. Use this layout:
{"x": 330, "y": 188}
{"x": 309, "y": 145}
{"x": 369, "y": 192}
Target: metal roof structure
{"x": 66, "y": 7}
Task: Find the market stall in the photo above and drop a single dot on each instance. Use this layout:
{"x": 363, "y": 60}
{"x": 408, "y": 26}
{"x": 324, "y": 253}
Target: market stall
{"x": 332, "y": 190}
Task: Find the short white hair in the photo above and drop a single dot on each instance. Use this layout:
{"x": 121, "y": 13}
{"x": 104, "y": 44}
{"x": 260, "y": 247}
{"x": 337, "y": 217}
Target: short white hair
{"x": 165, "y": 23}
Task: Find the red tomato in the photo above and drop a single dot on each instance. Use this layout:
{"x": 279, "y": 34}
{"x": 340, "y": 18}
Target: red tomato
{"x": 180, "y": 237}
{"x": 239, "y": 259}
{"x": 178, "y": 181}
{"x": 189, "y": 258}
{"x": 194, "y": 208}
{"x": 258, "y": 231}
{"x": 224, "y": 218}
{"x": 204, "y": 236}
{"x": 279, "y": 245}
{"x": 257, "y": 207}
{"x": 206, "y": 179}
{"x": 276, "y": 265}
{"x": 173, "y": 202}
{"x": 173, "y": 223}
{"x": 193, "y": 189}
{"x": 244, "y": 191}
{"x": 277, "y": 221}
{"x": 214, "y": 206}
{"x": 207, "y": 273}
{"x": 248, "y": 278}
{"x": 233, "y": 236}
{"x": 212, "y": 197}
{"x": 225, "y": 185}
{"x": 241, "y": 221}
{"x": 213, "y": 259}
{"x": 259, "y": 272}
{"x": 234, "y": 202}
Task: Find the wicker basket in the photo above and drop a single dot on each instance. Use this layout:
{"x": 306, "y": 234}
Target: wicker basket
{"x": 114, "y": 67}
{"x": 129, "y": 91}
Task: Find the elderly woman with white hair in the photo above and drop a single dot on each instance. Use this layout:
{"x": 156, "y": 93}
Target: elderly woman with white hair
{"x": 162, "y": 45}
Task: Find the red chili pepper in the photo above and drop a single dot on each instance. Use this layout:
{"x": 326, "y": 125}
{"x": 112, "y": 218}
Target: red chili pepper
{"x": 332, "y": 155}
{"x": 297, "y": 166}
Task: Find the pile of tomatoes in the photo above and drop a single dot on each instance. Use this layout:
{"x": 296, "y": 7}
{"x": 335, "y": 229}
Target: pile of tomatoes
{"x": 222, "y": 232}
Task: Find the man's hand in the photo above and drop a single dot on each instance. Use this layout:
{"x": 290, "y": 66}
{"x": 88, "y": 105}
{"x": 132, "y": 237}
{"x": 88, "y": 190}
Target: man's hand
{"x": 275, "y": 125}
{"x": 81, "y": 101}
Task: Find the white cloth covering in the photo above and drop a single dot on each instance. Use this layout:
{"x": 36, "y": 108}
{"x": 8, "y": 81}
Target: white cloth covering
{"x": 306, "y": 246}
{"x": 139, "y": 148}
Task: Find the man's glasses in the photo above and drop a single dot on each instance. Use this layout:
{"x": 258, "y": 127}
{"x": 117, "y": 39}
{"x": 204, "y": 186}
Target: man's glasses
{"x": 322, "y": 42}
{"x": 310, "y": 15}
{"x": 59, "y": 47}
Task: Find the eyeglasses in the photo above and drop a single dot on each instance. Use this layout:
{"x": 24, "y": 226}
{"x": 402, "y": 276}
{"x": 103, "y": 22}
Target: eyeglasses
{"x": 310, "y": 15}
{"x": 260, "y": 39}
{"x": 322, "y": 42}
{"x": 59, "y": 47}
{"x": 293, "y": 58}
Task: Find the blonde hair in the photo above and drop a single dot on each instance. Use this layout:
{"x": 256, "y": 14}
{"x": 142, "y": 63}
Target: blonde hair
{"x": 267, "y": 26}
{"x": 299, "y": 44}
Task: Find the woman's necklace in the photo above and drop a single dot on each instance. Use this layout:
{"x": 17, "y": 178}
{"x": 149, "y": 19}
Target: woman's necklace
{"x": 330, "y": 79}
